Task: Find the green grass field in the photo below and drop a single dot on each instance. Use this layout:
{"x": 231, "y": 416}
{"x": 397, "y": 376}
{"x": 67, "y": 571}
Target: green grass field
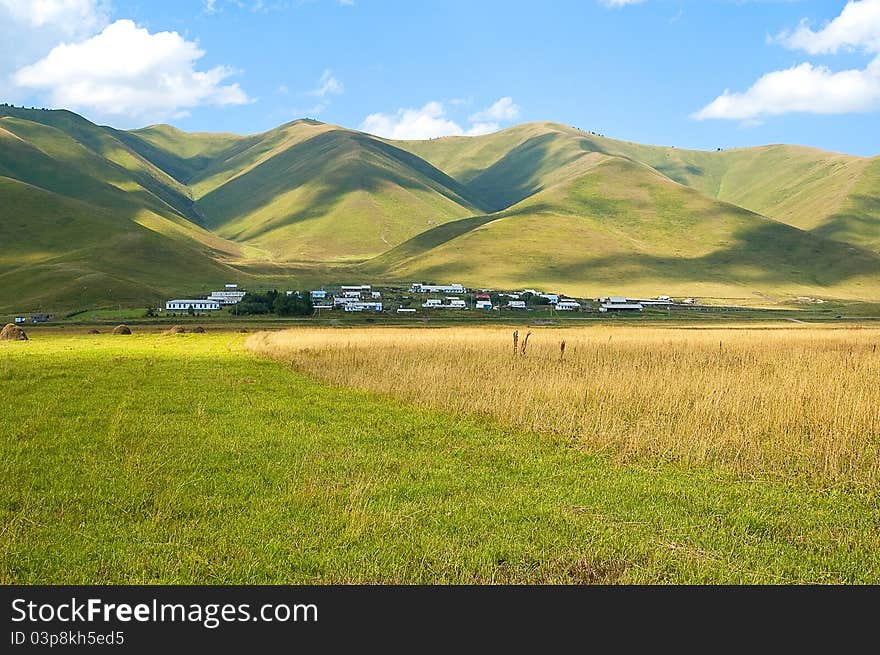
{"x": 186, "y": 459}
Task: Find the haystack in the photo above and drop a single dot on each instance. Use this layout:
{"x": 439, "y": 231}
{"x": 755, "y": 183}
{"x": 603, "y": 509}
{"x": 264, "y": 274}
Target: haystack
{"x": 198, "y": 329}
{"x": 175, "y": 329}
{"x": 122, "y": 329}
{"x": 243, "y": 331}
{"x": 12, "y": 332}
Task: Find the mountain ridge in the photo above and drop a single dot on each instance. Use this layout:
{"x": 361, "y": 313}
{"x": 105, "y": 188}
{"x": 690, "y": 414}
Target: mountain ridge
{"x": 535, "y": 204}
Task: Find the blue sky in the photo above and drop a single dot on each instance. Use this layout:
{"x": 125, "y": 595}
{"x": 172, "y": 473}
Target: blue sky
{"x": 654, "y": 71}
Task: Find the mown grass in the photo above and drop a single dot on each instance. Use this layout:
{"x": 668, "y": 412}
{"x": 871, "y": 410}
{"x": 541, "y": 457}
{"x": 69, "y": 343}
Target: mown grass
{"x": 187, "y": 459}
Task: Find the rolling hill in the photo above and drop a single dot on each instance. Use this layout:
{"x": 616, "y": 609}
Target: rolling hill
{"x": 590, "y": 232}
{"x": 94, "y": 216}
{"x": 803, "y": 187}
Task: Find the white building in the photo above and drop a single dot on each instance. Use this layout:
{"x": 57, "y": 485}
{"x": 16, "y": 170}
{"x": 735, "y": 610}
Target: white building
{"x": 363, "y": 307}
{"x": 484, "y": 304}
{"x": 405, "y": 310}
{"x": 357, "y": 288}
{"x": 436, "y": 288}
{"x": 450, "y": 302}
{"x": 516, "y": 304}
{"x": 613, "y": 306}
{"x": 318, "y": 294}
{"x": 568, "y": 305}
{"x": 228, "y": 297}
{"x": 194, "y": 304}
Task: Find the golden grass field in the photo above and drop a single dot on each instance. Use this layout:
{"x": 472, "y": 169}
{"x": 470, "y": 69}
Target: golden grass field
{"x": 799, "y": 401}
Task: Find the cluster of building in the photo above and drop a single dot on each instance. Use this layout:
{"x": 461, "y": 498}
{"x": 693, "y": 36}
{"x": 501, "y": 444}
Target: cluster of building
{"x": 449, "y": 302}
{"x": 362, "y": 298}
{"x": 230, "y": 295}
{"x": 622, "y": 304}
{"x": 351, "y": 298}
{"x": 36, "y": 318}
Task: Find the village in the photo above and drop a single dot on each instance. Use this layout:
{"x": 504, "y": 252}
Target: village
{"x": 421, "y": 298}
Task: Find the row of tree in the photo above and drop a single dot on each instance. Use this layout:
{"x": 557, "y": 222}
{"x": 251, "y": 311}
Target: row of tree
{"x": 273, "y": 302}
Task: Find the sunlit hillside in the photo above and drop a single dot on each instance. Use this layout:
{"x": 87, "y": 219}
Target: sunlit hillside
{"x": 539, "y": 204}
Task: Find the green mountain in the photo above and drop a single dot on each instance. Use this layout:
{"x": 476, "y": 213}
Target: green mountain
{"x": 803, "y": 187}
{"x": 590, "y": 233}
{"x": 93, "y": 216}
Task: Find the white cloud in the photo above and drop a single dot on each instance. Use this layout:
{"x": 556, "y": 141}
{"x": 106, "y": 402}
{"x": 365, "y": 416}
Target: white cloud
{"x": 803, "y": 88}
{"x": 431, "y": 121}
{"x": 127, "y": 71}
{"x": 28, "y": 30}
{"x": 504, "y": 109}
{"x": 211, "y": 7}
{"x": 426, "y": 123}
{"x": 808, "y": 88}
{"x": 482, "y": 128}
{"x": 327, "y": 85}
{"x": 620, "y": 3}
{"x": 857, "y": 27}
{"x": 71, "y": 17}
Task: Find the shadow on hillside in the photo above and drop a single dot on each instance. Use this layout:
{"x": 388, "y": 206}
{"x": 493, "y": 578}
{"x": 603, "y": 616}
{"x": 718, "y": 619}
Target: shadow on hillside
{"x": 334, "y": 164}
{"x": 435, "y": 237}
{"x": 515, "y": 176}
{"x": 862, "y": 228}
{"x": 182, "y": 169}
{"x": 769, "y": 254}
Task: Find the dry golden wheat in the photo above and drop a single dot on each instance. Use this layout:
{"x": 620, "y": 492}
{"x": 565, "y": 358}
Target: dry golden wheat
{"x": 802, "y": 401}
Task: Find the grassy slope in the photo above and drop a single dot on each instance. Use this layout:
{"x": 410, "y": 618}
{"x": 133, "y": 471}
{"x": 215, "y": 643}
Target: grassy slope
{"x": 315, "y": 192}
{"x": 57, "y": 252}
{"x": 858, "y": 219}
{"x": 184, "y": 155}
{"x": 203, "y": 464}
{"x": 803, "y": 187}
{"x": 798, "y": 186}
{"x": 103, "y": 143}
{"x": 86, "y": 221}
{"x": 592, "y": 235}
{"x": 51, "y": 159}
{"x": 307, "y": 193}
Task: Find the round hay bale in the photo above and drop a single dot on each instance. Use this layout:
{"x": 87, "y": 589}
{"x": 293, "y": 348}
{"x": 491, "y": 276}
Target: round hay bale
{"x": 198, "y": 329}
{"x": 122, "y": 329}
{"x": 94, "y": 331}
{"x": 175, "y": 329}
{"x": 12, "y": 332}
